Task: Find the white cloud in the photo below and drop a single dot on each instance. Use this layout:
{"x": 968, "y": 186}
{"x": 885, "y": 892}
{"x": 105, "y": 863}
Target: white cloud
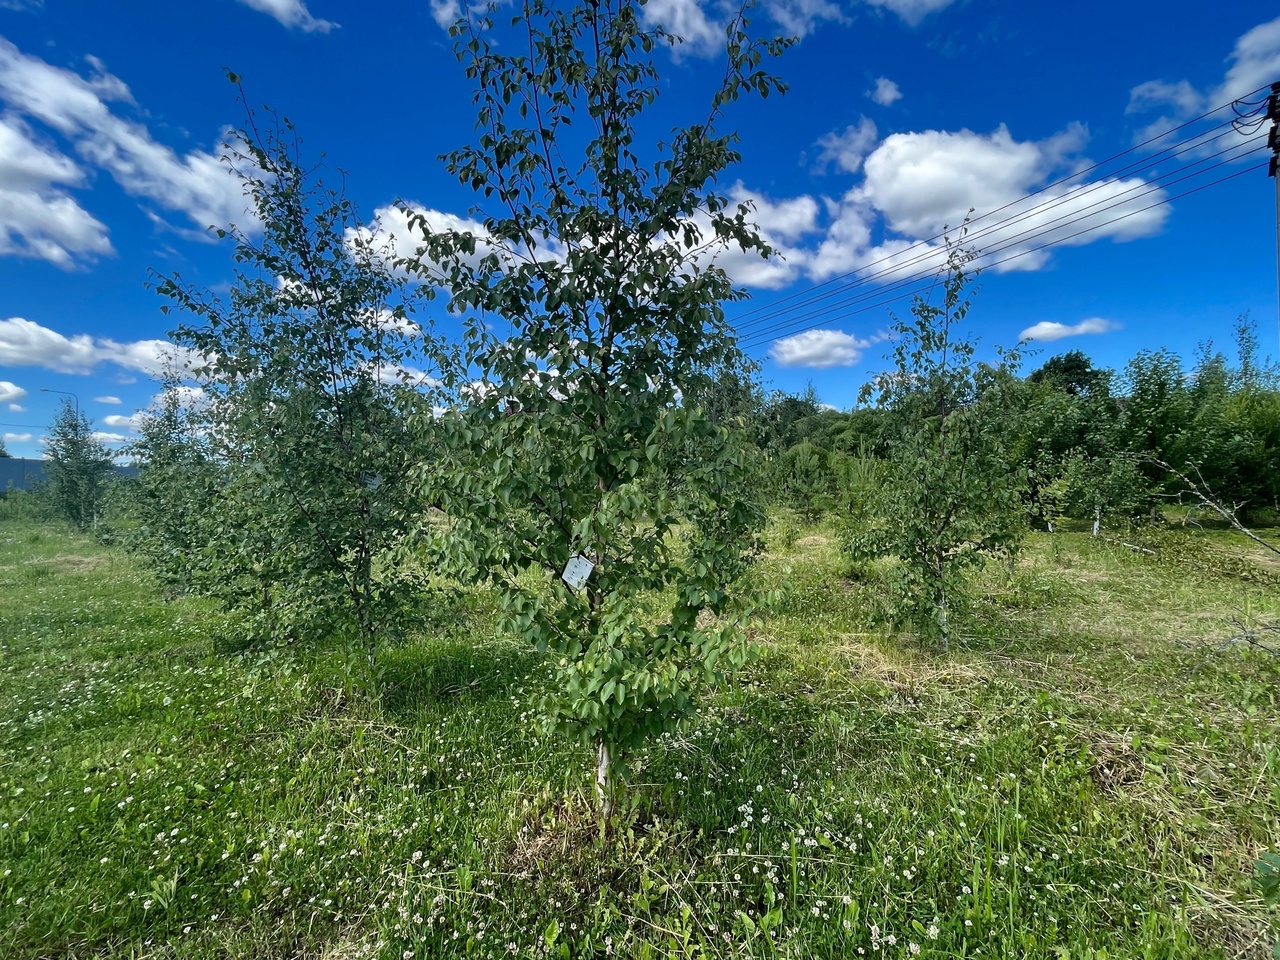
{"x": 38, "y": 219}
{"x": 17, "y": 438}
{"x": 111, "y": 400}
{"x": 17, "y": 408}
{"x": 112, "y": 438}
{"x": 849, "y": 149}
{"x": 390, "y": 228}
{"x": 819, "y": 349}
{"x": 10, "y": 393}
{"x": 924, "y": 182}
{"x": 799, "y": 18}
{"x": 446, "y": 13}
{"x": 77, "y": 107}
{"x": 24, "y": 343}
{"x": 1049, "y": 330}
{"x": 188, "y": 397}
{"x": 685, "y": 19}
{"x": 1254, "y": 63}
{"x": 291, "y": 13}
{"x": 21, "y": 4}
{"x": 781, "y": 223}
{"x": 885, "y": 93}
{"x": 127, "y": 423}
{"x": 912, "y": 11}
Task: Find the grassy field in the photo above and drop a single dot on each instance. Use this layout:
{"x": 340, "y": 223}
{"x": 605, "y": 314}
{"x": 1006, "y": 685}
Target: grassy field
{"x": 1090, "y": 772}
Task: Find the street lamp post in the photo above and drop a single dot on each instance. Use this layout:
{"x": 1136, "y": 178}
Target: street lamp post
{"x": 66, "y": 393}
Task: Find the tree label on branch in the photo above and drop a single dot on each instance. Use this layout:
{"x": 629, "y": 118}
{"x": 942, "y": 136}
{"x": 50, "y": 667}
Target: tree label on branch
{"x": 576, "y": 571}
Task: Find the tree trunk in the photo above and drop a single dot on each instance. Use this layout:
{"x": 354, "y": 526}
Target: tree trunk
{"x": 942, "y": 617}
{"x": 605, "y": 784}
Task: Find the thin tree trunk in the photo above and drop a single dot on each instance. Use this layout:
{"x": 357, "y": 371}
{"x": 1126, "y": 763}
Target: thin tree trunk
{"x": 942, "y": 617}
{"x": 604, "y": 784}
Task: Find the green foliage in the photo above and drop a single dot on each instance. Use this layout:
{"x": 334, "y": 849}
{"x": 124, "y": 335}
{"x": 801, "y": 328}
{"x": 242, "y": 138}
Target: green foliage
{"x": 950, "y": 497}
{"x": 77, "y": 468}
{"x": 572, "y": 438}
{"x": 308, "y": 384}
{"x": 172, "y": 499}
{"x": 806, "y": 479}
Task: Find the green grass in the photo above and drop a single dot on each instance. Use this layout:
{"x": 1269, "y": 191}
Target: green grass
{"x": 1090, "y": 772}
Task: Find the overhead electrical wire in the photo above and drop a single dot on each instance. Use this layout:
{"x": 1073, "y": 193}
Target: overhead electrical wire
{"x": 1076, "y": 174}
{"x": 930, "y": 276}
{"x": 972, "y": 235}
{"x": 764, "y": 315}
{"x": 760, "y": 340}
{"x": 1042, "y": 228}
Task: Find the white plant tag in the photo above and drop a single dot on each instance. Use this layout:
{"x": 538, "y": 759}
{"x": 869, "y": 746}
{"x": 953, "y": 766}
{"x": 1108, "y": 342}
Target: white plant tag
{"x": 576, "y": 571}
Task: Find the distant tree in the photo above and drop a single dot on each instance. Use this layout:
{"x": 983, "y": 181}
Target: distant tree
{"x": 1072, "y": 373}
{"x": 807, "y": 479}
{"x": 77, "y": 467}
{"x": 3, "y": 451}
{"x": 783, "y": 411}
{"x": 175, "y": 495}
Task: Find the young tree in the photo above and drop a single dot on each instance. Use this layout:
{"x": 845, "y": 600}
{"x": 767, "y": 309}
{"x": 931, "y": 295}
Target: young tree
{"x": 601, "y": 272}
{"x": 77, "y": 466}
{"x": 951, "y": 496}
{"x": 306, "y": 371}
{"x": 175, "y": 494}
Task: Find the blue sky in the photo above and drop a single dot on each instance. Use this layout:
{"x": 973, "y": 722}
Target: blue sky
{"x": 901, "y": 116}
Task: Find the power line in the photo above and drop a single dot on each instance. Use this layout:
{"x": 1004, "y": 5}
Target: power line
{"x": 1049, "y": 186}
{"x": 921, "y": 261}
{"x": 759, "y": 340}
{"x": 1058, "y": 224}
{"x": 752, "y": 327}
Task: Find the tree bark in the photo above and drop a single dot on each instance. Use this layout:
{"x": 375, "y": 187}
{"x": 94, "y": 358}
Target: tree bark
{"x": 604, "y": 784}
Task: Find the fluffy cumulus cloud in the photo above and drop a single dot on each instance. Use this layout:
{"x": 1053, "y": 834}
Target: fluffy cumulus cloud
{"x": 291, "y": 13}
{"x": 10, "y": 393}
{"x": 885, "y": 92}
{"x": 17, "y": 408}
{"x": 17, "y": 438}
{"x": 925, "y": 183}
{"x": 391, "y": 233}
{"x": 783, "y": 224}
{"x": 847, "y": 150}
{"x": 24, "y": 343}
{"x": 38, "y": 216}
{"x": 820, "y": 349}
{"x": 112, "y": 439}
{"x": 1254, "y": 63}
{"x": 1049, "y": 330}
{"x": 911, "y": 11}
{"x": 912, "y": 189}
